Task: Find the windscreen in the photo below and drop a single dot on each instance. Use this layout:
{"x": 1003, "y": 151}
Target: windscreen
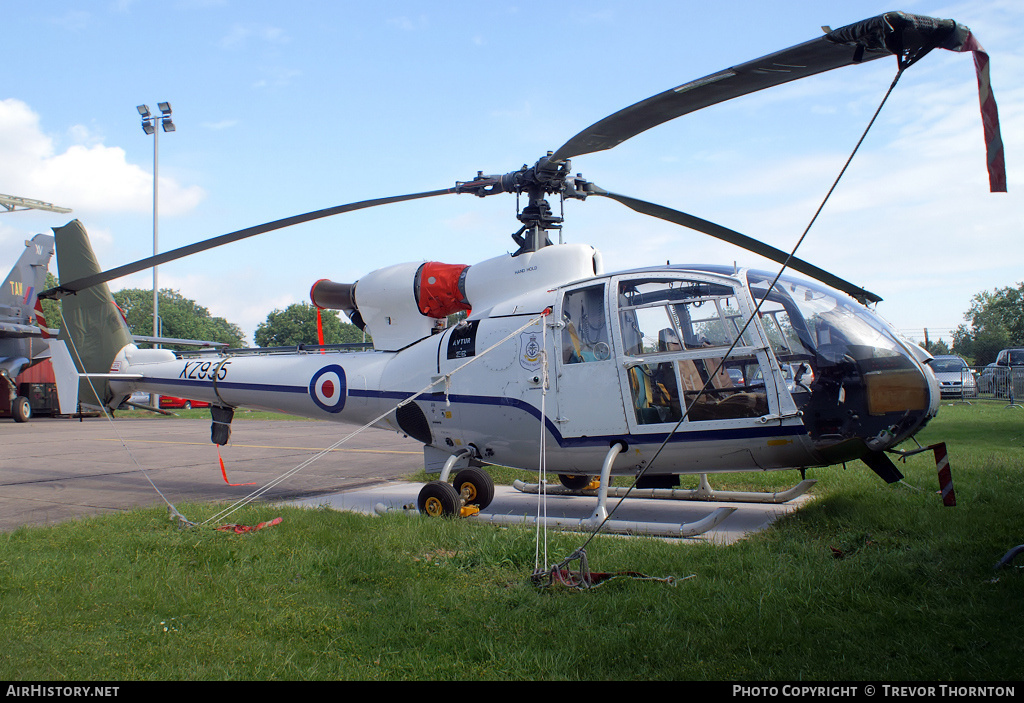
{"x": 804, "y": 320}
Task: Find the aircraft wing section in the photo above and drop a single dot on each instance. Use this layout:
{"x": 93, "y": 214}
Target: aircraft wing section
{"x": 13, "y": 329}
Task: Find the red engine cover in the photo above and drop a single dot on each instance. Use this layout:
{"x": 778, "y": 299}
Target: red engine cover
{"x": 440, "y": 289}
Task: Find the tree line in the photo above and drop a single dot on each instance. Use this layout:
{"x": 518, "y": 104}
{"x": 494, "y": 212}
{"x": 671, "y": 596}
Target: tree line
{"x": 994, "y": 321}
{"x": 183, "y": 318}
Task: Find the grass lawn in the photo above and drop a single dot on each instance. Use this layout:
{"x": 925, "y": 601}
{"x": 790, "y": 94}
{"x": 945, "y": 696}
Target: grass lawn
{"x": 868, "y": 582}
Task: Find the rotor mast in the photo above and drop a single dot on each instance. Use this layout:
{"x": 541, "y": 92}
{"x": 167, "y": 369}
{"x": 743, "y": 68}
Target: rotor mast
{"x": 546, "y": 177}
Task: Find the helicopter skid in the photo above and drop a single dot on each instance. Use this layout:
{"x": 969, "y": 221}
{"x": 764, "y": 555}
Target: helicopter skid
{"x": 616, "y": 527}
{"x": 702, "y": 492}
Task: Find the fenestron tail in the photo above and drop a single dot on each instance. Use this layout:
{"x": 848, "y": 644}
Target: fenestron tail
{"x": 92, "y": 327}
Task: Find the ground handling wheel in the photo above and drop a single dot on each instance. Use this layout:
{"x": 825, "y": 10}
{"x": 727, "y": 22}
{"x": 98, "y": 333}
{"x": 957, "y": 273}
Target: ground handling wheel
{"x": 575, "y": 482}
{"x": 475, "y": 486}
{"x": 439, "y": 499}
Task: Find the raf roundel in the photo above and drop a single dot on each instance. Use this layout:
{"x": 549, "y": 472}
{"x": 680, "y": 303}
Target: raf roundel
{"x": 328, "y": 389}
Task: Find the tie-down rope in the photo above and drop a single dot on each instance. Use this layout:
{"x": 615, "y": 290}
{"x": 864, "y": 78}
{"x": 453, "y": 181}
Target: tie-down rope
{"x": 446, "y": 378}
{"x": 175, "y": 515}
{"x": 183, "y": 521}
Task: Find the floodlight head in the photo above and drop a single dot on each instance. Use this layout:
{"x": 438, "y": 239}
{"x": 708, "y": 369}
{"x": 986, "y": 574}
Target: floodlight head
{"x": 167, "y": 124}
{"x": 165, "y": 108}
{"x": 143, "y": 110}
{"x": 147, "y": 127}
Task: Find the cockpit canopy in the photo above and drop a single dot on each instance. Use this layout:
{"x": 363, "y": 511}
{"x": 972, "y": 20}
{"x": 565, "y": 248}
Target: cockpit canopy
{"x": 715, "y": 344}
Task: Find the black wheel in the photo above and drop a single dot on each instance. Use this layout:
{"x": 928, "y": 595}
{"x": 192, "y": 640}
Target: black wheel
{"x": 21, "y": 409}
{"x": 475, "y": 486}
{"x": 439, "y": 499}
{"x": 574, "y": 482}
{"x": 188, "y": 405}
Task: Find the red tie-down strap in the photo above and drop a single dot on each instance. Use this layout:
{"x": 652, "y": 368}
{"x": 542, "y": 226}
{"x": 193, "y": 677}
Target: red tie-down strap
{"x": 242, "y": 529}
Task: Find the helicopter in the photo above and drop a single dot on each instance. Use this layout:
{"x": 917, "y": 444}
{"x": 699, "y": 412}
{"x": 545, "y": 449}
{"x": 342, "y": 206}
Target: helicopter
{"x": 653, "y": 372}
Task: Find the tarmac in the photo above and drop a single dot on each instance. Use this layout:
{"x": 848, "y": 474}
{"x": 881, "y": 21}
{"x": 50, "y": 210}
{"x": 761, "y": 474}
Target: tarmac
{"x": 57, "y": 469}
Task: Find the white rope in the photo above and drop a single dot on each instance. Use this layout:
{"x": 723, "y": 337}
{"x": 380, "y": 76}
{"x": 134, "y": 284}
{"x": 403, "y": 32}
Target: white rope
{"x": 110, "y": 420}
{"x": 542, "y": 464}
{"x": 291, "y": 472}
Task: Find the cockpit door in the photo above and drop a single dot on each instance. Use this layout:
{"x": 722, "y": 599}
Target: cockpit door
{"x": 589, "y": 393}
{"x": 678, "y": 361}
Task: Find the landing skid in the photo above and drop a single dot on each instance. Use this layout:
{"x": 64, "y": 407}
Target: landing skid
{"x": 600, "y": 519}
{"x": 615, "y": 527}
{"x": 438, "y": 498}
{"x": 702, "y": 492}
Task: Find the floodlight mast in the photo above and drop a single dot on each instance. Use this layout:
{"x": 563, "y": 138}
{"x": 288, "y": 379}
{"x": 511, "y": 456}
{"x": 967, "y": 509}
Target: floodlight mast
{"x": 149, "y": 121}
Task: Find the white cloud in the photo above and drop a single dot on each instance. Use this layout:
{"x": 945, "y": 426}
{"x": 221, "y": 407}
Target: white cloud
{"x": 85, "y": 176}
{"x": 241, "y": 35}
{"x": 409, "y": 24}
{"x": 277, "y": 77}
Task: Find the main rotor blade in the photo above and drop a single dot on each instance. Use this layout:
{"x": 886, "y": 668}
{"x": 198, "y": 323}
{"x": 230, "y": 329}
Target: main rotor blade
{"x": 143, "y": 264}
{"x": 741, "y": 240}
{"x": 894, "y": 33}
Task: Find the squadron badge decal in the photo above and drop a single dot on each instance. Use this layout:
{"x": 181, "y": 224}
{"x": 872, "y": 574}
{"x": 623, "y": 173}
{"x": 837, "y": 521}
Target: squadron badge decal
{"x": 529, "y": 346}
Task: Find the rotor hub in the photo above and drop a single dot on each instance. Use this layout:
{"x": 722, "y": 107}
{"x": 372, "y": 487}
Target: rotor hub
{"x": 546, "y": 177}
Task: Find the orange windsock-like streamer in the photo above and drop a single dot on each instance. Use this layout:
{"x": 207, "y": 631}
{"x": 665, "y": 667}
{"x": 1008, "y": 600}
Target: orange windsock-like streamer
{"x": 224, "y": 473}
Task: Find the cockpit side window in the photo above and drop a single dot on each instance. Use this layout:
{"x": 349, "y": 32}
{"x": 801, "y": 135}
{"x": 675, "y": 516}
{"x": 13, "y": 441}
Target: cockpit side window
{"x": 585, "y": 330}
{"x": 682, "y": 329}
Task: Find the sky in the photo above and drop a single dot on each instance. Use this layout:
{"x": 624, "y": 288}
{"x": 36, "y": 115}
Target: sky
{"x": 283, "y": 112}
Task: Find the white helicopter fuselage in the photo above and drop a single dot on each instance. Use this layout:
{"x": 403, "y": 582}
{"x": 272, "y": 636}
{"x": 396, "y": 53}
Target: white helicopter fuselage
{"x": 661, "y": 361}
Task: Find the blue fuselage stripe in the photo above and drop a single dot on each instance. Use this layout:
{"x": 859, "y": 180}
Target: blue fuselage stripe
{"x": 688, "y": 435}
{"x": 228, "y": 385}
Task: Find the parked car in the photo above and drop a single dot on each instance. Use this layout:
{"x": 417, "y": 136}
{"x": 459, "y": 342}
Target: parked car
{"x": 956, "y": 380}
{"x": 1010, "y": 357}
{"x": 1009, "y": 374}
{"x": 171, "y": 403}
{"x": 987, "y": 379}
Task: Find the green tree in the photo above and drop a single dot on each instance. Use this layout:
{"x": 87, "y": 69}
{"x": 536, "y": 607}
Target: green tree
{"x": 936, "y": 348}
{"x": 180, "y": 317}
{"x": 996, "y": 321}
{"x": 51, "y": 308}
{"x": 296, "y": 325}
